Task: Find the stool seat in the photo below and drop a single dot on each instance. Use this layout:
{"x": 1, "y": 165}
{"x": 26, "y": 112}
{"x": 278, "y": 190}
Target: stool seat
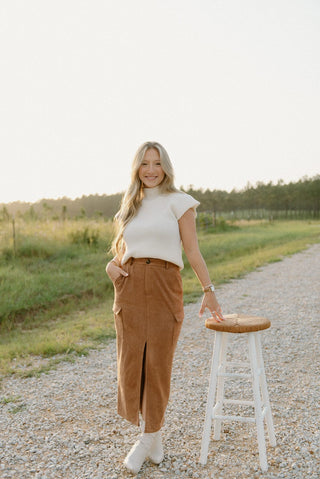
{"x": 239, "y": 323}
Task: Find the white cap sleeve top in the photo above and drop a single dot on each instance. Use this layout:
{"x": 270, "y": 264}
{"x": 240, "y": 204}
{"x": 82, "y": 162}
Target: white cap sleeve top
{"x": 154, "y": 231}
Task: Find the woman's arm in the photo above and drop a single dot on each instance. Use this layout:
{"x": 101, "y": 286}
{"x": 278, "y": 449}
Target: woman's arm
{"x": 188, "y": 233}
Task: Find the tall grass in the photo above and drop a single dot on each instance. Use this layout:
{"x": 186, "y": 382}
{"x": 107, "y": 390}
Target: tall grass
{"x": 55, "y": 265}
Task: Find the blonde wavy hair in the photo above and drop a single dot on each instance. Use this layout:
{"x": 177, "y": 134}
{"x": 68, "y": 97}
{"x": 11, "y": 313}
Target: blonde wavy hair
{"x": 132, "y": 198}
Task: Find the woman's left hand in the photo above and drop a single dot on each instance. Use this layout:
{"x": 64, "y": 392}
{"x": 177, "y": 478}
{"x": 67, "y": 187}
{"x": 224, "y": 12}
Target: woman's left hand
{"x": 209, "y": 301}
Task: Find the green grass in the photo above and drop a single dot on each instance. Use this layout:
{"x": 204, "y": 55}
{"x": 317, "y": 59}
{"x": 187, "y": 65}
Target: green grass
{"x": 9, "y": 399}
{"x": 56, "y": 300}
{"x": 54, "y": 269}
{"x": 29, "y": 350}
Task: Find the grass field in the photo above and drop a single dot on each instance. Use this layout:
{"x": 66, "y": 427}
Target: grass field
{"x": 56, "y": 299}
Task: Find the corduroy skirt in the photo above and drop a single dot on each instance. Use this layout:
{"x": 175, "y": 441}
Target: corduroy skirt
{"x": 148, "y": 313}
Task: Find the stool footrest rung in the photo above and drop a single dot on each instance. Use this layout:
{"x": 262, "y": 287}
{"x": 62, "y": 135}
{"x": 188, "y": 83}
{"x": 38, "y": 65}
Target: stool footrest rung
{"x": 235, "y": 375}
{"x": 241, "y": 402}
{"x": 240, "y": 364}
{"x": 234, "y": 418}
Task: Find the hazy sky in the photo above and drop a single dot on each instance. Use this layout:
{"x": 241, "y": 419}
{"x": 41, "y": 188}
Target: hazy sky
{"x": 231, "y": 88}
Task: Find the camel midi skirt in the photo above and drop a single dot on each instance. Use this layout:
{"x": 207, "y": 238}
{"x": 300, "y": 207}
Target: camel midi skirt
{"x": 148, "y": 312}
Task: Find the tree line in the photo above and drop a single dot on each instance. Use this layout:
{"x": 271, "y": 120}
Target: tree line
{"x": 298, "y": 197}
{"x": 62, "y": 208}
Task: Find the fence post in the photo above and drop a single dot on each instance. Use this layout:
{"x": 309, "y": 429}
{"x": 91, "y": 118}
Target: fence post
{"x": 14, "y": 236}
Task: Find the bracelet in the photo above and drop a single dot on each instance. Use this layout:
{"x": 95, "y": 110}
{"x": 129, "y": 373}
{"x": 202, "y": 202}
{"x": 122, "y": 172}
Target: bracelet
{"x": 208, "y": 288}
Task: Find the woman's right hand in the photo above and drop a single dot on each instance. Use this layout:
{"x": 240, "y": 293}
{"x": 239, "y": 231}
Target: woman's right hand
{"x": 114, "y": 271}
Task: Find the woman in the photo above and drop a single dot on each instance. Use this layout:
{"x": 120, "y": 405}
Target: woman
{"x": 153, "y": 220}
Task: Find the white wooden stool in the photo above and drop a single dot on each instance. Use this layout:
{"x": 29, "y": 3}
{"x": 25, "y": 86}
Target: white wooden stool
{"x": 251, "y": 325}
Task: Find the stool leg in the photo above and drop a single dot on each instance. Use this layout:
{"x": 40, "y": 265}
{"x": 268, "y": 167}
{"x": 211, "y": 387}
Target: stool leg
{"x": 211, "y": 398}
{"x": 257, "y": 402}
{"x": 265, "y": 394}
{"x": 217, "y": 410}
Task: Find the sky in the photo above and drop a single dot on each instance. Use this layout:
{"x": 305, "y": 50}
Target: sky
{"x": 230, "y": 88}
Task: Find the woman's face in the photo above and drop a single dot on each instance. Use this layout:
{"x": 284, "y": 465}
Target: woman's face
{"x": 150, "y": 172}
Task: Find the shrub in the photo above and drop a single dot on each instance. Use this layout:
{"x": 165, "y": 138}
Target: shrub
{"x": 85, "y": 236}
{"x": 206, "y": 221}
{"x": 28, "y": 247}
{"x": 31, "y": 248}
{"x": 7, "y": 254}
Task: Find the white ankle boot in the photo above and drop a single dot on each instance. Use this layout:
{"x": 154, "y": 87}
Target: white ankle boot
{"x": 156, "y": 454}
{"x": 148, "y": 445}
{"x": 139, "y": 452}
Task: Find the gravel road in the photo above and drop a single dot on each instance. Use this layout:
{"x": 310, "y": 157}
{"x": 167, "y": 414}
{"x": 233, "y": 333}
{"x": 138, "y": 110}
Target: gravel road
{"x": 63, "y": 424}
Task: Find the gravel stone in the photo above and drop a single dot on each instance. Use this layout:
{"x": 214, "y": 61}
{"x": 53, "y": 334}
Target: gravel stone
{"x": 63, "y": 424}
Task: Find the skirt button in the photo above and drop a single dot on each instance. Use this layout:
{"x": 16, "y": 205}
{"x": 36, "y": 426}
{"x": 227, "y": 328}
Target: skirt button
{"x": 148, "y": 261}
